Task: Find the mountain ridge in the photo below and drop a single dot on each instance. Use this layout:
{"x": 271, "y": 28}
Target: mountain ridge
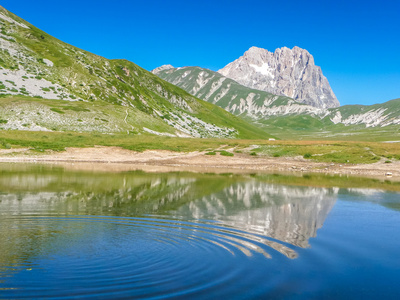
{"x": 232, "y": 96}
{"x": 259, "y": 105}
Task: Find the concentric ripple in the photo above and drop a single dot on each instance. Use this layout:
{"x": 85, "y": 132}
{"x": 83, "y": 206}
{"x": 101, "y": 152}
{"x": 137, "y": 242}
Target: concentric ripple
{"x": 138, "y": 257}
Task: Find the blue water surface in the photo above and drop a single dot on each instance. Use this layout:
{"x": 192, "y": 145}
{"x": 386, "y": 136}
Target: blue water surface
{"x": 188, "y": 236}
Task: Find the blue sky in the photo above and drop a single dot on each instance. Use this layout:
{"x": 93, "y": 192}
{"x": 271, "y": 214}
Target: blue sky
{"x": 356, "y": 43}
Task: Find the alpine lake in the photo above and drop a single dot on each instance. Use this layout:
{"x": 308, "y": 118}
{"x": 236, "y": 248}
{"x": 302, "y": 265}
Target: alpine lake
{"x": 135, "y": 235}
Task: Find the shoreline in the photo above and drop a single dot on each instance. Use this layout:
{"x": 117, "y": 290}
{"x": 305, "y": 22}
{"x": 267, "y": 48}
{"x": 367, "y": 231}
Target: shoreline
{"x": 115, "y": 159}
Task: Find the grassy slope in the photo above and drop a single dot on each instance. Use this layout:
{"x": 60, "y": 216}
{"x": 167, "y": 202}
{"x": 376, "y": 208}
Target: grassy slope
{"x": 92, "y": 78}
{"x": 392, "y": 106}
{"x": 60, "y": 115}
{"x": 309, "y": 128}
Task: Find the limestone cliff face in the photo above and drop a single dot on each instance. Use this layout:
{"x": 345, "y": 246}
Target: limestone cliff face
{"x": 287, "y": 72}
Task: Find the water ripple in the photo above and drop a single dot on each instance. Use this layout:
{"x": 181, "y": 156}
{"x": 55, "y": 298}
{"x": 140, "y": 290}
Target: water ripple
{"x": 119, "y": 256}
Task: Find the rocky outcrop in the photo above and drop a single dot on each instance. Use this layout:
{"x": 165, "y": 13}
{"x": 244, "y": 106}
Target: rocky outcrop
{"x": 287, "y": 72}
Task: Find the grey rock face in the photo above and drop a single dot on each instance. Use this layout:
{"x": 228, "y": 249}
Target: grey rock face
{"x": 288, "y": 72}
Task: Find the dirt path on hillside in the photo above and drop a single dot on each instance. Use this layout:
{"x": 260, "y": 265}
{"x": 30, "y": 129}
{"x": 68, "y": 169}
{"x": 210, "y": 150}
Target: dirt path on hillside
{"x": 117, "y": 159}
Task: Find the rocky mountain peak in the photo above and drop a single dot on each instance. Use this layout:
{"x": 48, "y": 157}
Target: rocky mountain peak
{"x": 287, "y": 72}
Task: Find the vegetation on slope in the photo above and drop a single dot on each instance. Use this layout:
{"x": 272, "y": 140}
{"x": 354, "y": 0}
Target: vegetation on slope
{"x": 227, "y": 93}
{"x": 310, "y": 127}
{"x": 36, "y": 65}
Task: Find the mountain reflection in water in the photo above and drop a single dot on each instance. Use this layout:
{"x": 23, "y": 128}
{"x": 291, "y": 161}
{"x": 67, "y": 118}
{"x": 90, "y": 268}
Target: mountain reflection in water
{"x": 286, "y": 214}
{"x": 253, "y": 212}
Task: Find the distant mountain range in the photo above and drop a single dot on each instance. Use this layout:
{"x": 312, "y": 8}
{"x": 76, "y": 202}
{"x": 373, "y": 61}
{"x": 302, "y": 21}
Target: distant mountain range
{"x": 260, "y": 105}
{"x": 48, "y": 85}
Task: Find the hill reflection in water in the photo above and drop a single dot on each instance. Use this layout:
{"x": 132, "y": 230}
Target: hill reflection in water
{"x": 253, "y": 212}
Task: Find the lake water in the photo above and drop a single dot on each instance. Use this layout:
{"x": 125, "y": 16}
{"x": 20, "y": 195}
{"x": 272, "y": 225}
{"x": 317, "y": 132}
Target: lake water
{"x": 66, "y": 234}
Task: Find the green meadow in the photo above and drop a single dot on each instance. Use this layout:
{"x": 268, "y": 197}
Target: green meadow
{"x": 320, "y": 151}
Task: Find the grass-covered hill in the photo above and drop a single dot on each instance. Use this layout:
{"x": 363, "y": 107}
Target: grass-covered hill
{"x": 48, "y": 85}
{"x": 378, "y": 122}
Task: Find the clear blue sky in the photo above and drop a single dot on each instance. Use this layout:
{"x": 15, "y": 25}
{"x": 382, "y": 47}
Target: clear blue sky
{"x": 356, "y": 43}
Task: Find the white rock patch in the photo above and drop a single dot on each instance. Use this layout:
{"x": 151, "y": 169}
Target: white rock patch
{"x": 48, "y": 62}
{"x": 265, "y": 69}
{"x": 195, "y": 127}
{"x": 337, "y": 118}
{"x": 157, "y": 133}
{"x": 371, "y": 118}
{"x": 20, "y": 82}
{"x": 8, "y": 46}
{"x": 9, "y": 20}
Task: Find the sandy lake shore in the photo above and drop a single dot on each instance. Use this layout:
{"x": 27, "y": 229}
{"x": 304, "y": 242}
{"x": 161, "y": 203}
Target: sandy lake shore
{"x": 116, "y": 159}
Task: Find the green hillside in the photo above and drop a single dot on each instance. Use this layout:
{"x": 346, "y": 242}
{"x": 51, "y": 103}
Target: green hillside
{"x": 378, "y": 122}
{"x": 227, "y": 93}
{"x": 46, "y": 84}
